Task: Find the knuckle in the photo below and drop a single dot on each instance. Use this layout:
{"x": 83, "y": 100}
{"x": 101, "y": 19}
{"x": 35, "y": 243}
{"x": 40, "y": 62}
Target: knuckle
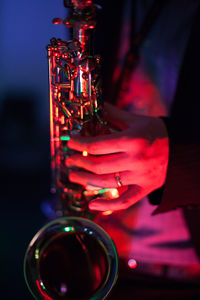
{"x": 88, "y": 148}
{"x": 91, "y": 148}
{"x": 97, "y": 168}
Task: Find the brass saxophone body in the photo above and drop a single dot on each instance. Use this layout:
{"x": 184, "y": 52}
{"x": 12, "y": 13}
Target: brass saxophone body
{"x": 75, "y": 98}
{"x": 72, "y": 257}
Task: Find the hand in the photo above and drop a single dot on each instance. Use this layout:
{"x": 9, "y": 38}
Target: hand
{"x": 139, "y": 153}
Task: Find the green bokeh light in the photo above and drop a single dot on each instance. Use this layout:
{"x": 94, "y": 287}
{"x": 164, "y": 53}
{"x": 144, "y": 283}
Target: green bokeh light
{"x": 69, "y": 229}
{"x": 65, "y": 138}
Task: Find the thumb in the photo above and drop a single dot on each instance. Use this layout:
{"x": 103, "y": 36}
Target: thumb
{"x": 118, "y": 117}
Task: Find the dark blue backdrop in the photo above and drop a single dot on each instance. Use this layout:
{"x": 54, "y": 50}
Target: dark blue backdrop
{"x": 25, "y": 30}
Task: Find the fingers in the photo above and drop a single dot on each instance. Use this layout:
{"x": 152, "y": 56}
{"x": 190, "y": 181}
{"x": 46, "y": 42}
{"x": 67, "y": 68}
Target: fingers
{"x": 98, "y": 145}
{"x": 100, "y": 164}
{"x": 92, "y": 181}
{"x": 132, "y": 195}
{"x": 124, "y": 141}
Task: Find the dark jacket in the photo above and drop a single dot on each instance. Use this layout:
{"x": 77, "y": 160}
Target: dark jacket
{"x": 182, "y": 186}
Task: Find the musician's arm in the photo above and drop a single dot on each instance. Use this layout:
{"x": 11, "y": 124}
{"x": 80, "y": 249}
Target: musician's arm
{"x": 182, "y": 187}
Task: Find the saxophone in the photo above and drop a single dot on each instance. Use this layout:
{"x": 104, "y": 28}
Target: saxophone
{"x": 72, "y": 257}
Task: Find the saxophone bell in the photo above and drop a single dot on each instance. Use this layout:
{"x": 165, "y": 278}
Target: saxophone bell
{"x": 70, "y": 258}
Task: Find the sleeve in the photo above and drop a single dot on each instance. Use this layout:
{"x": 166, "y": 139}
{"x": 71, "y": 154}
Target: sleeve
{"x": 182, "y": 185}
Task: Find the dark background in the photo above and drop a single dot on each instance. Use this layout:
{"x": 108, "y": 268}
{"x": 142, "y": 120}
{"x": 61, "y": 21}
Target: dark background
{"x": 25, "y": 30}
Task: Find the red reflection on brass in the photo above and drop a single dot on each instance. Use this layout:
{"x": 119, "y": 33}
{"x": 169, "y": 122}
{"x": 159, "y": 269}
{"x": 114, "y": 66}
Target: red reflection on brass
{"x": 46, "y": 297}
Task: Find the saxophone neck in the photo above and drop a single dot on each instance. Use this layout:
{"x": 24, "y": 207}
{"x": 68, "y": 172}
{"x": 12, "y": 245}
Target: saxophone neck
{"x": 82, "y": 18}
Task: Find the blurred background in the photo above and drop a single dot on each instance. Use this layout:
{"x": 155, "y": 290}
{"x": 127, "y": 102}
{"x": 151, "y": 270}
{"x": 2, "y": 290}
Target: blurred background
{"x": 25, "y": 28}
